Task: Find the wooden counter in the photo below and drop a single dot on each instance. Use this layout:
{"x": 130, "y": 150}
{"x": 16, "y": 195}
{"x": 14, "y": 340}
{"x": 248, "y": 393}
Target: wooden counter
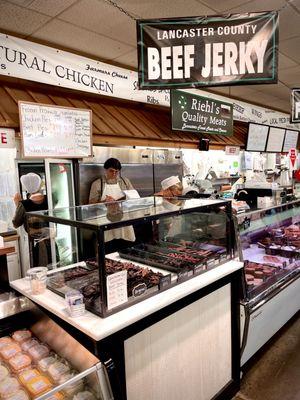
{"x": 6, "y": 250}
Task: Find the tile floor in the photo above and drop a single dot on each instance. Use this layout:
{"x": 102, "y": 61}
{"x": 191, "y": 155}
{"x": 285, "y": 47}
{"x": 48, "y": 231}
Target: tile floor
{"x": 275, "y": 373}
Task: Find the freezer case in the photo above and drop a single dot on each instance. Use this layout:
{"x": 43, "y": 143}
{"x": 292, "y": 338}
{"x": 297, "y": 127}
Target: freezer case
{"x": 40, "y": 360}
{"x": 131, "y": 250}
{"x": 269, "y": 245}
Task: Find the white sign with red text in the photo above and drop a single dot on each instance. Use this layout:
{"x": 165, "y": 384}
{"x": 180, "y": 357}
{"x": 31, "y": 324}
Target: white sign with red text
{"x": 7, "y": 138}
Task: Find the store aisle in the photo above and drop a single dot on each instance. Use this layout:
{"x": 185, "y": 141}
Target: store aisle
{"x": 275, "y": 375}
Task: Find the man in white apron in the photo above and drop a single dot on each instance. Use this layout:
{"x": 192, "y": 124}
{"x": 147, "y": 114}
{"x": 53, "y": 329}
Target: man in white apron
{"x": 111, "y": 188}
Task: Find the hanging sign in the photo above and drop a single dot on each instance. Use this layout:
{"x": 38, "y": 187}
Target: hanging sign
{"x": 7, "y": 138}
{"x": 295, "y": 117}
{"x": 208, "y": 51}
{"x": 193, "y": 113}
{"x": 293, "y": 156}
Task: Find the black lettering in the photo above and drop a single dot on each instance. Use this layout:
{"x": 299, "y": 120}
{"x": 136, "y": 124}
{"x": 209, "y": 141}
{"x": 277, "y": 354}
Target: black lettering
{"x": 57, "y": 71}
{"x": 23, "y": 59}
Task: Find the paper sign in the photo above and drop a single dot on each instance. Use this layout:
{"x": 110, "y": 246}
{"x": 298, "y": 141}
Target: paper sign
{"x": 275, "y": 139}
{"x": 257, "y": 137}
{"x": 232, "y": 150}
{"x": 290, "y": 140}
{"x": 116, "y": 286}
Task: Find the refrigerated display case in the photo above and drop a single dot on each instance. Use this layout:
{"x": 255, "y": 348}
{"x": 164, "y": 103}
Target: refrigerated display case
{"x": 130, "y": 250}
{"x": 40, "y": 360}
{"x": 269, "y": 245}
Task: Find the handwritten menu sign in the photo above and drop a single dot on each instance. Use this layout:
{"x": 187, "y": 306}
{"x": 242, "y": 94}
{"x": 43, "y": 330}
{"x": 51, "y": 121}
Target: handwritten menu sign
{"x": 257, "y": 137}
{"x": 290, "y": 140}
{"x": 275, "y": 139}
{"x": 116, "y": 288}
{"x": 51, "y": 131}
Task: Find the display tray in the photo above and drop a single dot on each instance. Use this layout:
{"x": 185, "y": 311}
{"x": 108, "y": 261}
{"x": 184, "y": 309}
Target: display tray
{"x": 177, "y": 257}
{"x": 140, "y": 281}
{"x": 260, "y": 277}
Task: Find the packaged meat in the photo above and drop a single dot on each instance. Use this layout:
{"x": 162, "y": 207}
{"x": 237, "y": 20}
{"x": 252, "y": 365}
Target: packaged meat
{"x": 10, "y": 350}
{"x": 22, "y": 335}
{"x": 45, "y": 363}
{"x": 9, "y": 386}
{"x": 72, "y": 388}
{"x": 19, "y": 362}
{"x": 85, "y": 395}
{"x": 19, "y": 395}
{"x": 57, "y": 370}
{"x": 38, "y": 385}
{"x": 27, "y": 375}
{"x": 3, "y": 372}
{"x": 38, "y": 352}
{"x": 4, "y": 341}
{"x": 56, "y": 396}
{"x": 25, "y": 346}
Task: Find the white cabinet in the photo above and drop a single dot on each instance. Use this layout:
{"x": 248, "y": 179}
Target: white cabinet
{"x": 13, "y": 261}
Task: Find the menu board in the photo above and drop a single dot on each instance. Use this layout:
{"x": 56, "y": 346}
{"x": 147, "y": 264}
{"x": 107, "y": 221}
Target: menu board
{"x": 52, "y": 131}
{"x": 275, "y": 140}
{"x": 257, "y": 137}
{"x": 290, "y": 140}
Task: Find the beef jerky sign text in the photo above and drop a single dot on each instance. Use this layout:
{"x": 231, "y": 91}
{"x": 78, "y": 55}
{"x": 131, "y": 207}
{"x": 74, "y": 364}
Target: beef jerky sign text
{"x": 208, "y": 51}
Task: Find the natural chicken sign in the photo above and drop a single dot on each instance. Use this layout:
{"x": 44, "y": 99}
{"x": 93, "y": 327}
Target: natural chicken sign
{"x": 208, "y": 51}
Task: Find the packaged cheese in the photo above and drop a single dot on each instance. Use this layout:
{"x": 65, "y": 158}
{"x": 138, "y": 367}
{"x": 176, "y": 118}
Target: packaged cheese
{"x": 19, "y": 395}
{"x": 3, "y": 372}
{"x": 38, "y": 385}
{"x": 10, "y": 350}
{"x": 45, "y": 363}
{"x": 72, "y": 388}
{"x": 4, "y": 341}
{"x": 21, "y": 336}
{"x": 25, "y": 346}
{"x": 85, "y": 395}
{"x": 57, "y": 370}
{"x": 9, "y": 386}
{"x": 27, "y": 375}
{"x": 19, "y": 362}
{"x": 38, "y": 352}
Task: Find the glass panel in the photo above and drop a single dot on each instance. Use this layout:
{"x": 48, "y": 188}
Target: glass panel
{"x": 61, "y": 178}
{"x": 270, "y": 245}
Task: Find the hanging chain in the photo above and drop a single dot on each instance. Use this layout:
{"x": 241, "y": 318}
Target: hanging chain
{"x": 114, "y": 4}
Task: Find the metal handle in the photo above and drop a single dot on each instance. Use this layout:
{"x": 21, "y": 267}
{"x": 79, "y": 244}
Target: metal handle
{"x": 102, "y": 377}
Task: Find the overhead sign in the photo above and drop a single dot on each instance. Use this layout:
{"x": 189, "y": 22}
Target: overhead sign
{"x": 193, "y": 113}
{"x": 7, "y": 138}
{"x": 52, "y": 131}
{"x": 295, "y": 117}
{"x": 208, "y": 51}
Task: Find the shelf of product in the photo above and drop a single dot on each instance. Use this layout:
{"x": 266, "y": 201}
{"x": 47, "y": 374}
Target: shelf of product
{"x": 158, "y": 243}
{"x": 270, "y": 245}
{"x": 29, "y": 368}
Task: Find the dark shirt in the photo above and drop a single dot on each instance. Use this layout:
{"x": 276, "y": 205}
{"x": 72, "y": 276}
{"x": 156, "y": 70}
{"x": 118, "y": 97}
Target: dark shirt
{"x": 27, "y": 206}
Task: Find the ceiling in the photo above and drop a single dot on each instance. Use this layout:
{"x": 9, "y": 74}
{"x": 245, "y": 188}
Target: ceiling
{"x": 99, "y": 29}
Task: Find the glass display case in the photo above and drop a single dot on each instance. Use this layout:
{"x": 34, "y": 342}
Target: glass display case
{"x": 269, "y": 245}
{"x": 123, "y": 252}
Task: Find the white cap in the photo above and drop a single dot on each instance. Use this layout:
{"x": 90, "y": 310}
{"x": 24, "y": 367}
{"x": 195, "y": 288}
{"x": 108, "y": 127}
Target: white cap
{"x": 171, "y": 181}
{"x": 31, "y": 182}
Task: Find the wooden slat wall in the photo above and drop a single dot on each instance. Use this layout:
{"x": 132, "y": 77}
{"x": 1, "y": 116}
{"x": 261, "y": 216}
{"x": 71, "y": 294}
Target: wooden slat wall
{"x": 114, "y": 122}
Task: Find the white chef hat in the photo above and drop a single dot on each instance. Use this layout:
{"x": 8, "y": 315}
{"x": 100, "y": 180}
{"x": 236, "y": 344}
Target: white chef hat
{"x": 31, "y": 182}
{"x": 171, "y": 181}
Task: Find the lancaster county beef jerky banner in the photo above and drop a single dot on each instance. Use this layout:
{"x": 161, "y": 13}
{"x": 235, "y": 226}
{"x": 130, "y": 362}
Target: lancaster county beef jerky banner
{"x": 193, "y": 113}
{"x": 295, "y": 117}
{"x": 208, "y": 51}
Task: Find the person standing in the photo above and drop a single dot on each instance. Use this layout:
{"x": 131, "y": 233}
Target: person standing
{"x": 111, "y": 186}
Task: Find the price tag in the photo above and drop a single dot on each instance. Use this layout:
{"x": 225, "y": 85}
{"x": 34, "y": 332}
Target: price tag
{"x": 116, "y": 286}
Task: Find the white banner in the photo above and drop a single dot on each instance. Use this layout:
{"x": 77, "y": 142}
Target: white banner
{"x": 35, "y": 62}
{"x": 7, "y": 138}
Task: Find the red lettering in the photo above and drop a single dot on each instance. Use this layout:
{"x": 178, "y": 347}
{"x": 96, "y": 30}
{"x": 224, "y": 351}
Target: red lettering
{"x": 3, "y": 138}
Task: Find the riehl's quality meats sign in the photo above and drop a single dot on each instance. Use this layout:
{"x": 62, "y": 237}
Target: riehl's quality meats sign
{"x": 208, "y": 51}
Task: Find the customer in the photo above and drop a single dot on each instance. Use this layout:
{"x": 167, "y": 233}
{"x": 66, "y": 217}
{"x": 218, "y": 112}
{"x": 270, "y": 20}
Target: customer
{"x": 35, "y": 201}
{"x": 38, "y": 230}
{"x": 109, "y": 187}
{"x": 170, "y": 187}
